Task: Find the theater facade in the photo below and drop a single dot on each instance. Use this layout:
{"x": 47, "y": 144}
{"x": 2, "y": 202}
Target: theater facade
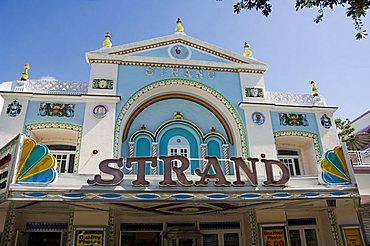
{"x": 173, "y": 142}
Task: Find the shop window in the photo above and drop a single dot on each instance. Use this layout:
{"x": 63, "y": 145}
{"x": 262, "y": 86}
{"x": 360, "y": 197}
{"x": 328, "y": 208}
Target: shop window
{"x": 298, "y": 153}
{"x": 65, "y": 156}
{"x": 42, "y": 234}
{"x": 303, "y": 232}
{"x": 291, "y": 159}
{"x": 220, "y": 234}
{"x": 141, "y": 234}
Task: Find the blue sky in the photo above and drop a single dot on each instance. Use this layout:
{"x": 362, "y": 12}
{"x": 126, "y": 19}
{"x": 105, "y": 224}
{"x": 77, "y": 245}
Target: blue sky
{"x": 53, "y": 36}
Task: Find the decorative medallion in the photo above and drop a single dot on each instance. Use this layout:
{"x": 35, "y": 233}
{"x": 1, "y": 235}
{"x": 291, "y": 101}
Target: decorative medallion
{"x": 293, "y": 119}
{"x": 253, "y": 92}
{"x": 258, "y": 118}
{"x": 36, "y": 164}
{"x": 102, "y": 84}
{"x": 179, "y": 51}
{"x": 334, "y": 168}
{"x": 325, "y": 121}
{"x": 57, "y": 110}
{"x": 100, "y": 111}
{"x": 14, "y": 109}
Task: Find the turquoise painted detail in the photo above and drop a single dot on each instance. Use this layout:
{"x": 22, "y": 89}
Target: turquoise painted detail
{"x": 214, "y": 149}
{"x": 143, "y": 147}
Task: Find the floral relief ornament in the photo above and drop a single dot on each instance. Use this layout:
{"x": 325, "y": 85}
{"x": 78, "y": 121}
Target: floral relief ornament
{"x": 14, "y": 109}
{"x": 258, "y": 118}
{"x": 325, "y": 121}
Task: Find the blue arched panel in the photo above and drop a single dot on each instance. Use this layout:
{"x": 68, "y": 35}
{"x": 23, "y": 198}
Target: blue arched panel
{"x": 143, "y": 147}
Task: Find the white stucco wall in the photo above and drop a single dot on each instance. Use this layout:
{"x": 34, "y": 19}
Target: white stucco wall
{"x": 329, "y": 136}
{"x": 103, "y": 71}
{"x": 97, "y": 134}
{"x": 252, "y": 80}
{"x": 11, "y": 126}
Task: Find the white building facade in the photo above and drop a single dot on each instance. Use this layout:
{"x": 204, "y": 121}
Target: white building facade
{"x": 173, "y": 141}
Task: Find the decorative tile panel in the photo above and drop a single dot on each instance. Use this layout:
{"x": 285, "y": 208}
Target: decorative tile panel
{"x": 325, "y": 121}
{"x": 253, "y": 92}
{"x": 56, "y": 110}
{"x": 289, "y": 119}
{"x": 102, "y": 84}
{"x": 14, "y": 109}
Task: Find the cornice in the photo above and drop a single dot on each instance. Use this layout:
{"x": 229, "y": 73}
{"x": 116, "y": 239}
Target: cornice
{"x": 175, "y": 63}
{"x": 59, "y": 97}
{"x": 273, "y": 106}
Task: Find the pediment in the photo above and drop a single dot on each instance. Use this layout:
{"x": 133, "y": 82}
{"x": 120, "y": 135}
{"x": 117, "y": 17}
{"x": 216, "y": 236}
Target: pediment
{"x": 176, "y": 47}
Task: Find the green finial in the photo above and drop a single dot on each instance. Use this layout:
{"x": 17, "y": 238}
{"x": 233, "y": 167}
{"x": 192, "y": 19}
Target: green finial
{"x": 24, "y": 76}
{"x": 107, "y": 43}
{"x": 315, "y": 92}
{"x": 247, "y": 52}
{"x": 179, "y": 28}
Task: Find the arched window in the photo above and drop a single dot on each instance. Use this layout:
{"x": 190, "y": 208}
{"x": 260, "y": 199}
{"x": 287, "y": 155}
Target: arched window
{"x": 298, "y": 153}
{"x": 178, "y": 145}
{"x": 180, "y": 139}
{"x": 62, "y": 143}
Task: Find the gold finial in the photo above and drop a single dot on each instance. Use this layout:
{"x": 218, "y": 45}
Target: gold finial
{"x": 107, "y": 43}
{"x": 24, "y": 76}
{"x": 315, "y": 92}
{"x": 247, "y": 52}
{"x": 177, "y": 115}
{"x": 179, "y": 28}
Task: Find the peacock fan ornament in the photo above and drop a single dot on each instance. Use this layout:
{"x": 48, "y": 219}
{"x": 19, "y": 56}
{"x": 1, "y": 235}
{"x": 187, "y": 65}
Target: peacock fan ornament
{"x": 107, "y": 43}
{"x": 36, "y": 165}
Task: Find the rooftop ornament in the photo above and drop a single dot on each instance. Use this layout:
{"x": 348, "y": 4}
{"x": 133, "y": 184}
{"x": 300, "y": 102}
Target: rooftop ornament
{"x": 24, "y": 76}
{"x": 247, "y": 51}
{"x": 107, "y": 43}
{"x": 179, "y": 28}
{"x": 315, "y": 92}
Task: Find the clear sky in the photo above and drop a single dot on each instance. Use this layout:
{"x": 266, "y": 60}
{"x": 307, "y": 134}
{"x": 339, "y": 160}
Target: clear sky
{"x": 53, "y": 36}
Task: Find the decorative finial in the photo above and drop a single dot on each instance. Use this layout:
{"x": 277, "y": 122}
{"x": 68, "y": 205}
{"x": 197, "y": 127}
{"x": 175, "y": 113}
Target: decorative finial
{"x": 107, "y": 43}
{"x": 247, "y": 52}
{"x": 177, "y": 115}
{"x": 212, "y": 129}
{"x": 315, "y": 92}
{"x": 179, "y": 28}
{"x": 24, "y": 76}
{"x": 143, "y": 127}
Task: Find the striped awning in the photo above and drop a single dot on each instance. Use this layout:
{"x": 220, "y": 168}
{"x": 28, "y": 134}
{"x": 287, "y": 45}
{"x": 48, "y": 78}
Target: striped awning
{"x": 361, "y": 141}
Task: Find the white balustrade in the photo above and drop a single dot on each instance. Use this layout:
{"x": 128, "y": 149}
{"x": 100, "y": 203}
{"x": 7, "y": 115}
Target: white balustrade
{"x": 53, "y": 87}
{"x": 293, "y": 99}
{"x": 360, "y": 158}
